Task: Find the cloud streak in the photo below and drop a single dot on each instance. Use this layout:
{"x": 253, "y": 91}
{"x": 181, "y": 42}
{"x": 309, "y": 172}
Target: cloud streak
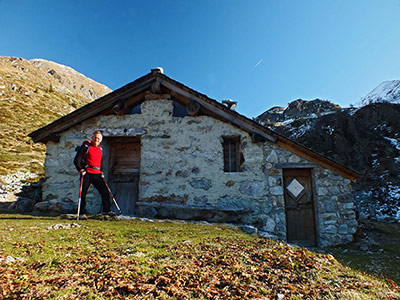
{"x": 256, "y": 65}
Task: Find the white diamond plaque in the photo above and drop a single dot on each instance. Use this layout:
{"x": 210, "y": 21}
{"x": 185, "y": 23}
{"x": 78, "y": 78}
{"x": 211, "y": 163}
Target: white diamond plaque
{"x": 295, "y": 187}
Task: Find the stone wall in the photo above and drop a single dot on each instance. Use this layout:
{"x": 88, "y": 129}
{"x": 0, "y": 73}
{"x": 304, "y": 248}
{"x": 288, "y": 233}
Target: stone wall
{"x": 335, "y": 211}
{"x": 182, "y": 175}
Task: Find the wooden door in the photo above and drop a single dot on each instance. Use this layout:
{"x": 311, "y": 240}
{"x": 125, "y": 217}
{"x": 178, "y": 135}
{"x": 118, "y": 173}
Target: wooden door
{"x": 124, "y": 166}
{"x": 299, "y": 207}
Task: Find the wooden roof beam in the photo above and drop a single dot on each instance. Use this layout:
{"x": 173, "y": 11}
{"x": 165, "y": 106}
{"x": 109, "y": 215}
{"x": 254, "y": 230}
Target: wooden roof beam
{"x": 318, "y": 159}
{"x": 221, "y": 113}
{"x": 87, "y": 111}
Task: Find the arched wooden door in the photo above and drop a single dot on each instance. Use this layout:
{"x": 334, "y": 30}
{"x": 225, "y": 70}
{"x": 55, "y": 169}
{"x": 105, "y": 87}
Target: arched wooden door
{"x": 124, "y": 170}
{"x": 299, "y": 207}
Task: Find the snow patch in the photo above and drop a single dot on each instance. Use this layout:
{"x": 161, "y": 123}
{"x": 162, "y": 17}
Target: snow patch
{"x": 394, "y": 142}
{"x": 387, "y": 91}
{"x": 329, "y": 129}
{"x": 297, "y": 132}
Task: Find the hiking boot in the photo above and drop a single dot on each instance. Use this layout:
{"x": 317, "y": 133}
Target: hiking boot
{"x": 82, "y": 217}
{"x": 109, "y": 213}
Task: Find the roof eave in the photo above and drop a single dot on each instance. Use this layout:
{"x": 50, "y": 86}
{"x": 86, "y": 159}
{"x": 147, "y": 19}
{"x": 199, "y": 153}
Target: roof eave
{"x": 217, "y": 108}
{"x": 91, "y": 109}
{"x": 94, "y": 108}
{"x": 318, "y": 158}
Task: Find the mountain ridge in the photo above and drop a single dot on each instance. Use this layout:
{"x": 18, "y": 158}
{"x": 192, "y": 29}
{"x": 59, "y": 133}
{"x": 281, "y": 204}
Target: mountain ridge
{"x": 34, "y": 93}
{"x": 387, "y": 91}
{"x": 365, "y": 139}
{"x": 74, "y": 82}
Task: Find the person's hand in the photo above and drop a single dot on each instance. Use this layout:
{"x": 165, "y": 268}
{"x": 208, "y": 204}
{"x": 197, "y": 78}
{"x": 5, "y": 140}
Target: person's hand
{"x": 83, "y": 172}
{"x": 102, "y": 174}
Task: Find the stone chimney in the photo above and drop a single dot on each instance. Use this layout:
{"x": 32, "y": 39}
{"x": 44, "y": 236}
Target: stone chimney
{"x": 230, "y": 103}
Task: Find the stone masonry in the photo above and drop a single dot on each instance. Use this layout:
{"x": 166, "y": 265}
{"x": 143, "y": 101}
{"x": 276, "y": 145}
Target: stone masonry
{"x": 182, "y": 175}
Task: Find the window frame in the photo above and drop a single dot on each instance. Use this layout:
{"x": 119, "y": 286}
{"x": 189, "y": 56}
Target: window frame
{"x": 231, "y": 153}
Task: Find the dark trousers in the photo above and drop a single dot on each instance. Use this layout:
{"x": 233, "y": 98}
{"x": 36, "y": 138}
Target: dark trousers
{"x": 98, "y": 183}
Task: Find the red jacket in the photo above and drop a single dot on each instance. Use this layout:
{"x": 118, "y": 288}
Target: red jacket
{"x": 89, "y": 157}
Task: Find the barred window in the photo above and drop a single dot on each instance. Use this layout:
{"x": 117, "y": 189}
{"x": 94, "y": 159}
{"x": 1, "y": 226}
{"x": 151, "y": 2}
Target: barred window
{"x": 231, "y": 151}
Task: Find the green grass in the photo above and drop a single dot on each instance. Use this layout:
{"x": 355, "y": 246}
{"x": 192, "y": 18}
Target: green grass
{"x": 7, "y": 157}
{"x": 383, "y": 255}
{"x": 134, "y": 259}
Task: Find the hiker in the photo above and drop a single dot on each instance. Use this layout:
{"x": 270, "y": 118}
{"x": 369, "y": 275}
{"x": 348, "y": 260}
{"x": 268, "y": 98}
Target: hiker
{"x": 88, "y": 162}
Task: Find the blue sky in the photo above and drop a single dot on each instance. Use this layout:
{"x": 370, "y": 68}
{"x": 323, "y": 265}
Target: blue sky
{"x": 259, "y": 53}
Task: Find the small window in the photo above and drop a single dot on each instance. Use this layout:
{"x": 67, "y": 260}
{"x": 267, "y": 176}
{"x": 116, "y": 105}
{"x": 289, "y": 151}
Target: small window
{"x": 179, "y": 110}
{"x": 136, "y": 109}
{"x": 231, "y": 154}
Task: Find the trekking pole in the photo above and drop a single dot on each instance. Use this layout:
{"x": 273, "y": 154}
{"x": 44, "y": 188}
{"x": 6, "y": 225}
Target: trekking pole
{"x": 80, "y": 197}
{"x": 115, "y": 201}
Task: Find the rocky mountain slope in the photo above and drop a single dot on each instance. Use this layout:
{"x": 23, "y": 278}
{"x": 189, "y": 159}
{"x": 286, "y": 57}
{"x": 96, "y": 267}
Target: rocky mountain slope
{"x": 387, "y": 91}
{"x": 298, "y": 109}
{"x": 33, "y": 93}
{"x": 365, "y": 139}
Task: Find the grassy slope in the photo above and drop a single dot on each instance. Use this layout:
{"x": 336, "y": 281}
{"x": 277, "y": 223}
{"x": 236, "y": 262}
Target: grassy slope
{"x": 30, "y": 98}
{"x": 383, "y": 255}
{"x": 165, "y": 260}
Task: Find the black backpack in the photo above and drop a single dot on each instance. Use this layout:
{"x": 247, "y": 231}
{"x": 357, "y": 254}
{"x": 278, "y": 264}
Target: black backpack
{"x": 80, "y": 156}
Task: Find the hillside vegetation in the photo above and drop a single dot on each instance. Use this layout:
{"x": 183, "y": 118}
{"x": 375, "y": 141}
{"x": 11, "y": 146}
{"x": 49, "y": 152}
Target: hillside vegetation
{"x": 34, "y": 93}
{"x": 132, "y": 259}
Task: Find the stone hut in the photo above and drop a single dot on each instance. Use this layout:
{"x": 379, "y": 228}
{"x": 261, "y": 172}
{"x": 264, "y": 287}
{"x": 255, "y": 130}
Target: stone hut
{"x": 172, "y": 152}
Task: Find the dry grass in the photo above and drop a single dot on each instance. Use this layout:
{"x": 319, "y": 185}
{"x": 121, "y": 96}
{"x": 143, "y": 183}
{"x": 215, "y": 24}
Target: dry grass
{"x": 30, "y": 98}
{"x": 133, "y": 259}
